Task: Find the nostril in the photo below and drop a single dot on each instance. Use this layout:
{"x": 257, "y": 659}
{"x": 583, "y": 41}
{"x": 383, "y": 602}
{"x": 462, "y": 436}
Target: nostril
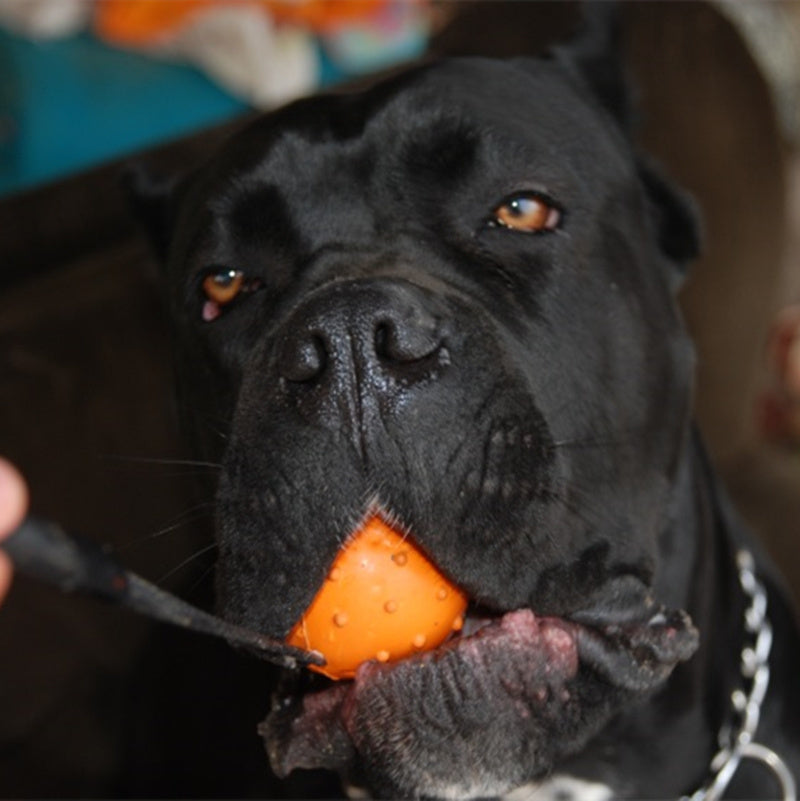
{"x": 358, "y": 334}
{"x": 303, "y": 359}
{"x": 382, "y": 340}
{"x": 406, "y": 341}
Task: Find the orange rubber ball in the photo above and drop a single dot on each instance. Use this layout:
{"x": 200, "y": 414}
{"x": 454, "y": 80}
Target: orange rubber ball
{"x": 382, "y": 599}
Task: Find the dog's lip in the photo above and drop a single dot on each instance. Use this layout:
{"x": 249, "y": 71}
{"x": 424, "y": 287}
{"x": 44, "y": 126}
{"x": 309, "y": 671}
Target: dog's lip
{"x": 529, "y": 660}
{"x": 631, "y": 654}
{"x": 638, "y": 656}
{"x": 315, "y": 726}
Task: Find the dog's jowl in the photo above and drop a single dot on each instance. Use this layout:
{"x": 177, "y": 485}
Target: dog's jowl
{"x": 449, "y": 302}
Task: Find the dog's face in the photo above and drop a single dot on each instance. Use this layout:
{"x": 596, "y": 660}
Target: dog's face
{"x": 447, "y": 301}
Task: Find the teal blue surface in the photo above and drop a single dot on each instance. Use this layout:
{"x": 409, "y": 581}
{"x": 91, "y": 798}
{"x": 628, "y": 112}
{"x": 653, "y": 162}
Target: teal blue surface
{"x": 70, "y": 104}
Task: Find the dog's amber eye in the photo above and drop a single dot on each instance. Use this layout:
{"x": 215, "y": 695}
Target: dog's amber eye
{"x": 528, "y": 213}
{"x": 222, "y": 287}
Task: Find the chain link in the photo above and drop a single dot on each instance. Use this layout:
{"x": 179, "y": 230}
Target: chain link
{"x": 737, "y": 738}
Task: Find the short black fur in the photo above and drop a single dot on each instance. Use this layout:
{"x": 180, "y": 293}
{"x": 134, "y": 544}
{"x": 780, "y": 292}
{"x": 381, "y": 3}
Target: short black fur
{"x": 518, "y": 402}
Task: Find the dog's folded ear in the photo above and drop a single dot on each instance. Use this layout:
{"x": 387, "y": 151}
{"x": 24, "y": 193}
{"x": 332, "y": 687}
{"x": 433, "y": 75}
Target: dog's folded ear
{"x": 150, "y": 199}
{"x": 677, "y": 217}
{"x": 594, "y": 58}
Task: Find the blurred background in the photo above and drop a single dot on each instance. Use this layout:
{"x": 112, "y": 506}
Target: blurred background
{"x": 95, "y": 703}
{"x": 114, "y": 76}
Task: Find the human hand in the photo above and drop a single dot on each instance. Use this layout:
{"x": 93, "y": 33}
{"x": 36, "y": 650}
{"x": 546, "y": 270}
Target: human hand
{"x": 13, "y": 506}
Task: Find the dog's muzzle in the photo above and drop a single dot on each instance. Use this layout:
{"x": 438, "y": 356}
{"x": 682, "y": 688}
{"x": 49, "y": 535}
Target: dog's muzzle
{"x": 359, "y": 346}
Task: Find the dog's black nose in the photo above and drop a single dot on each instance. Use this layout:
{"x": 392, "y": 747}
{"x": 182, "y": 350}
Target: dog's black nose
{"x": 367, "y": 331}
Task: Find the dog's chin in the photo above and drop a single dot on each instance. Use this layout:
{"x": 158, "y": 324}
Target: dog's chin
{"x": 492, "y": 708}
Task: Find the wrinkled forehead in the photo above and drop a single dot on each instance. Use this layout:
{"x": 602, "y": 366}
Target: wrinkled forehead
{"x": 528, "y": 99}
{"x": 529, "y": 111}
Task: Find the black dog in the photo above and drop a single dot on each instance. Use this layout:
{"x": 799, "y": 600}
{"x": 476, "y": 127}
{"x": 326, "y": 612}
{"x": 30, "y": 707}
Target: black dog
{"x": 450, "y": 300}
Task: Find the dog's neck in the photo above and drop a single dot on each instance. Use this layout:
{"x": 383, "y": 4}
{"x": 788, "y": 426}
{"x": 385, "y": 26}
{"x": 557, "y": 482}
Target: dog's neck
{"x": 736, "y": 611}
{"x": 695, "y": 706}
{"x": 739, "y": 736}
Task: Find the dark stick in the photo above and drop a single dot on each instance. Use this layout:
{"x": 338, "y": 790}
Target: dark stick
{"x": 43, "y": 550}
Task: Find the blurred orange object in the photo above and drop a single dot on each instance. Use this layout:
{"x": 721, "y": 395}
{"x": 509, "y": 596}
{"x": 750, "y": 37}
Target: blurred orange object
{"x": 324, "y": 16}
{"x": 778, "y": 407}
{"x": 139, "y": 23}
{"x": 382, "y": 599}
{"x": 151, "y": 22}
{"x": 783, "y": 350}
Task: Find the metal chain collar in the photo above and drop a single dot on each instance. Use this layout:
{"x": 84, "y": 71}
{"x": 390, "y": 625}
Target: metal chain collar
{"x": 737, "y": 739}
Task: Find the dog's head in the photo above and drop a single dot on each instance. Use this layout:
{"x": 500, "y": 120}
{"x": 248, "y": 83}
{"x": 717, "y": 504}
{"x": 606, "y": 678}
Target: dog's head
{"x": 448, "y": 300}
